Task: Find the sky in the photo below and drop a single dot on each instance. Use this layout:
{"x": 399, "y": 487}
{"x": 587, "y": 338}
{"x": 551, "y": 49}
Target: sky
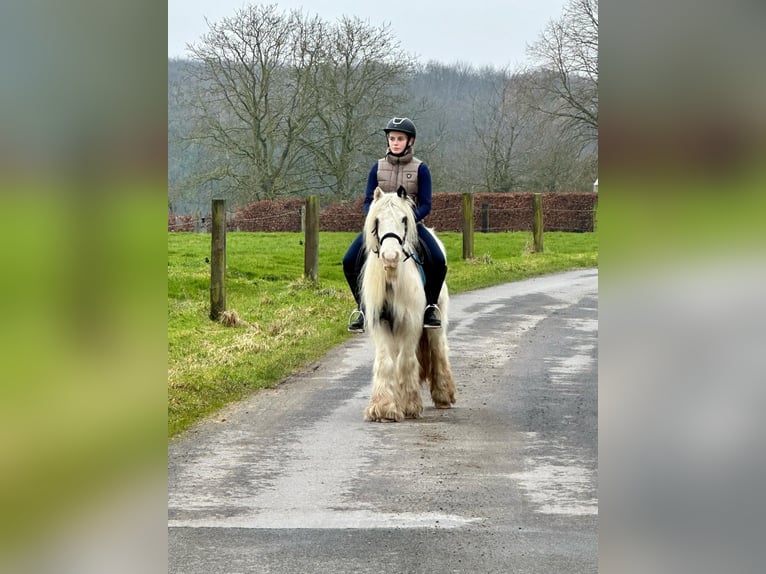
{"x": 486, "y": 33}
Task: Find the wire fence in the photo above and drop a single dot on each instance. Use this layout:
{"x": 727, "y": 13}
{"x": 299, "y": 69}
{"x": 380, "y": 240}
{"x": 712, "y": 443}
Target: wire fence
{"x": 492, "y": 213}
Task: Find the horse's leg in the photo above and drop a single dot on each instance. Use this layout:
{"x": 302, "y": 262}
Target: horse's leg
{"x": 383, "y": 402}
{"x": 440, "y": 381}
{"x": 409, "y": 380}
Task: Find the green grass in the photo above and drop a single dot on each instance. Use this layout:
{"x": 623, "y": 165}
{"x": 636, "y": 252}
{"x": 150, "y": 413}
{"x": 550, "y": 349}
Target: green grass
{"x": 292, "y": 322}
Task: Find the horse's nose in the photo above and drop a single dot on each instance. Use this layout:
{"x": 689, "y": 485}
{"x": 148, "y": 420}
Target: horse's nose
{"x": 390, "y": 257}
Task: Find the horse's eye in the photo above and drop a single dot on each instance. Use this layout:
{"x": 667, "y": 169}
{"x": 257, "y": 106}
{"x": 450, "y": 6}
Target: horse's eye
{"x": 404, "y": 221}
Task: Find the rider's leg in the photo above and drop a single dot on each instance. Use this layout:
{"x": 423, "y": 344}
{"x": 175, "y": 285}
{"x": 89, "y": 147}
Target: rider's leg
{"x": 435, "y": 267}
{"x": 352, "y": 269}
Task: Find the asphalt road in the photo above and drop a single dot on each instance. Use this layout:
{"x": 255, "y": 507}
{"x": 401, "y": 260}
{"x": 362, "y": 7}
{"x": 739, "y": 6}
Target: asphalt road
{"x": 293, "y": 480}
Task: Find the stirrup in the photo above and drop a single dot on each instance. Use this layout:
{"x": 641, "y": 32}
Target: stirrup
{"x": 439, "y": 311}
{"x": 356, "y": 321}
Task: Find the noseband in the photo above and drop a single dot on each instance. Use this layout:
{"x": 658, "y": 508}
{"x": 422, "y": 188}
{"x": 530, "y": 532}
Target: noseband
{"x": 395, "y": 236}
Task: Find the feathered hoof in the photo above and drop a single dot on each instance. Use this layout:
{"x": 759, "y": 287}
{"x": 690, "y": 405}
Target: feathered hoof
{"x": 443, "y": 399}
{"x": 413, "y": 412}
{"x": 382, "y": 413}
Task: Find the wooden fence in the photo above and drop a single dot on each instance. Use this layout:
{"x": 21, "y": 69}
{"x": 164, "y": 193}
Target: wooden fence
{"x": 493, "y": 212}
{"x": 310, "y": 224}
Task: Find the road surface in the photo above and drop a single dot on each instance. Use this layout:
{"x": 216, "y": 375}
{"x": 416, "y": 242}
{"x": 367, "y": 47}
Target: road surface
{"x": 292, "y": 480}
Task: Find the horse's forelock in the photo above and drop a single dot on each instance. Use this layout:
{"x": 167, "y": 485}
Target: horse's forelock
{"x": 392, "y": 203}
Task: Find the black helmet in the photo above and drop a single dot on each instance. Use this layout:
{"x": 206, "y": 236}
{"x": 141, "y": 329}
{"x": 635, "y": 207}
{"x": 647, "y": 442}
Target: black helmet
{"x": 404, "y": 125}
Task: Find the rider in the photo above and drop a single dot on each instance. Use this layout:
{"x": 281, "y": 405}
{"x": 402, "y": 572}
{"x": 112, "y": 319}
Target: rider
{"x": 400, "y": 168}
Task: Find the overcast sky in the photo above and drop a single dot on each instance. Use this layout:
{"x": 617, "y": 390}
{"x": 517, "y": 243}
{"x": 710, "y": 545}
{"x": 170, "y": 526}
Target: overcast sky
{"x": 480, "y": 33}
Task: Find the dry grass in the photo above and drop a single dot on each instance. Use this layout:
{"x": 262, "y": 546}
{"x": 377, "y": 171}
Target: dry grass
{"x": 231, "y": 319}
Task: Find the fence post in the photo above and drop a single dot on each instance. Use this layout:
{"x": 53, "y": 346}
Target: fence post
{"x": 311, "y": 242}
{"x": 467, "y": 226}
{"x": 537, "y": 221}
{"x": 485, "y": 217}
{"x": 218, "y": 260}
{"x": 595, "y": 215}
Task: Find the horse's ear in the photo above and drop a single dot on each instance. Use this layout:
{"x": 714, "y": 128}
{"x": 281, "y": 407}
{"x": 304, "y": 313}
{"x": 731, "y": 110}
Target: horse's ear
{"x": 377, "y": 194}
{"x": 401, "y": 192}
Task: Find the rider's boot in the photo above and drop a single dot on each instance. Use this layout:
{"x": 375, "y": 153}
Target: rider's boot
{"x": 432, "y": 317}
{"x": 356, "y": 321}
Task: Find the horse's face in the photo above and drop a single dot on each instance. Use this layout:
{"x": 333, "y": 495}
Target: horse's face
{"x": 392, "y": 235}
{"x": 390, "y": 228}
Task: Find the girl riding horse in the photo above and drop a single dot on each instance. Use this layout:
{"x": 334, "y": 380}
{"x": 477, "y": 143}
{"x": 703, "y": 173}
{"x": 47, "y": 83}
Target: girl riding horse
{"x": 400, "y": 169}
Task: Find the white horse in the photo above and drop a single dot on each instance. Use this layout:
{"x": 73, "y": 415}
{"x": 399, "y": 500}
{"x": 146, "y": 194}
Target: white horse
{"x": 394, "y": 300}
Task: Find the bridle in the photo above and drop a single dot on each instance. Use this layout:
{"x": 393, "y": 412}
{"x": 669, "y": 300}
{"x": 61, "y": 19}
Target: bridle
{"x": 380, "y": 240}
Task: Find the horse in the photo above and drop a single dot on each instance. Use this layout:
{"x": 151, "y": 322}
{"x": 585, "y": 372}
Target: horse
{"x": 393, "y": 297}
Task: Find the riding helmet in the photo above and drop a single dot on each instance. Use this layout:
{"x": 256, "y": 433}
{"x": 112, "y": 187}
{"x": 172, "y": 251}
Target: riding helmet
{"x": 403, "y": 125}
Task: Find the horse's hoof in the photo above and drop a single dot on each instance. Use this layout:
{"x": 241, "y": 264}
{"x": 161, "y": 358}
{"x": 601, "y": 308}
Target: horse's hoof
{"x": 414, "y": 414}
{"x": 380, "y": 420}
{"x": 443, "y": 400}
{"x": 375, "y": 413}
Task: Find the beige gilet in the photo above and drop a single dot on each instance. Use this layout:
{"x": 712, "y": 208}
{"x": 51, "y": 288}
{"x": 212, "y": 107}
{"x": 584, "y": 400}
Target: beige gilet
{"x": 396, "y": 171}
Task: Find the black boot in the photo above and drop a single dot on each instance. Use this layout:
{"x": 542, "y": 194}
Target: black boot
{"x": 432, "y": 317}
{"x": 352, "y": 269}
{"x": 356, "y": 321}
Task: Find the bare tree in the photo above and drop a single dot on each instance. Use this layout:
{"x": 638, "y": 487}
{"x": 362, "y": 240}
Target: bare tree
{"x": 500, "y": 126}
{"x": 556, "y": 163}
{"x": 193, "y": 178}
{"x": 566, "y": 84}
{"x": 255, "y": 99}
{"x": 360, "y": 83}
{"x": 292, "y": 103}
{"x": 520, "y": 145}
